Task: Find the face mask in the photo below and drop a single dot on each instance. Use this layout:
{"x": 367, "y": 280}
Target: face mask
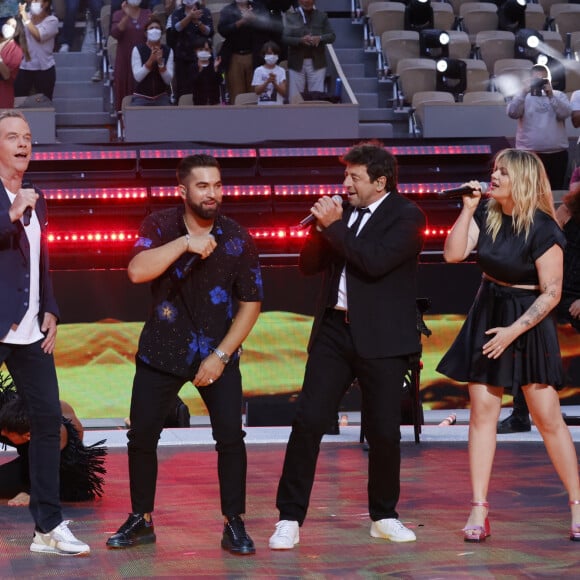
{"x": 134, "y": 2}
{"x": 189, "y": 2}
{"x": 153, "y": 35}
{"x": 203, "y": 55}
{"x": 8, "y": 31}
{"x": 36, "y": 8}
{"x": 271, "y": 58}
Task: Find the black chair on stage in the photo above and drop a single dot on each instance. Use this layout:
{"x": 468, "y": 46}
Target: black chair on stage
{"x": 411, "y": 406}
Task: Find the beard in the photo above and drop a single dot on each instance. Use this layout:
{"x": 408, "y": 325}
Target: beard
{"x": 202, "y": 212}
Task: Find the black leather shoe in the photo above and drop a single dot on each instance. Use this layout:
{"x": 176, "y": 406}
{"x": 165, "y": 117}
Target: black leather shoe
{"x": 514, "y": 424}
{"x": 136, "y": 530}
{"x": 236, "y": 539}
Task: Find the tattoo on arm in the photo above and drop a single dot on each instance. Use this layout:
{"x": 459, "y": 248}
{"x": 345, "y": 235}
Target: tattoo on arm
{"x": 543, "y": 304}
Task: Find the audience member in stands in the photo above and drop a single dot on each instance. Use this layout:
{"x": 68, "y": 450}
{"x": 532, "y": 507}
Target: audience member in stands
{"x": 269, "y": 80}
{"x": 190, "y": 23}
{"x": 71, "y": 8}
{"x": 11, "y": 54}
{"x": 541, "y": 112}
{"x": 509, "y": 339}
{"x": 152, "y": 65}
{"x": 245, "y": 28}
{"x": 568, "y": 309}
{"x": 206, "y": 76}
{"x": 81, "y": 467}
{"x": 128, "y": 27}
{"x": 306, "y": 33}
{"x": 203, "y": 269}
{"x": 38, "y": 73}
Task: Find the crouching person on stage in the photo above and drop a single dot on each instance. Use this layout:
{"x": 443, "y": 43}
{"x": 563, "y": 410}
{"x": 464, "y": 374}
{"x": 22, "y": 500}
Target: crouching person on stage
{"x": 201, "y": 265}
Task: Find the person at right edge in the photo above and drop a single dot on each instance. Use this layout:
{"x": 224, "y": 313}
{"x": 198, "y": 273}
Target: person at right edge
{"x": 541, "y": 112}
{"x": 509, "y": 339}
{"x": 365, "y": 327}
{"x": 568, "y": 310}
{"x": 201, "y": 265}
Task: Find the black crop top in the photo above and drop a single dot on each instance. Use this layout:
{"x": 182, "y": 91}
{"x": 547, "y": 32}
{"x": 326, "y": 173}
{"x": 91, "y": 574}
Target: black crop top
{"x": 511, "y": 258}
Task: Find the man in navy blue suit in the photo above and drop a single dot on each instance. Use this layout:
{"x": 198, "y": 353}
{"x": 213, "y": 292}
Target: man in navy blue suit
{"x": 28, "y": 318}
{"x": 365, "y": 327}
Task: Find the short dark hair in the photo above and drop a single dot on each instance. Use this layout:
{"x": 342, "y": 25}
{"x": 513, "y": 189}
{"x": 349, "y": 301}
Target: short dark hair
{"x": 270, "y": 45}
{"x": 14, "y": 416}
{"x": 154, "y": 18}
{"x": 378, "y": 161}
{"x": 192, "y": 162}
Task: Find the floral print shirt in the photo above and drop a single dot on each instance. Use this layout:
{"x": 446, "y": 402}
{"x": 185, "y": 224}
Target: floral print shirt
{"x": 194, "y": 300}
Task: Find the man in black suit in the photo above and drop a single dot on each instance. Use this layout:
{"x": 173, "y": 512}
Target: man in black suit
{"x": 365, "y": 327}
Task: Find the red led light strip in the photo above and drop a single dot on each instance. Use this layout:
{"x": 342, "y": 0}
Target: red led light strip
{"x": 83, "y": 155}
{"x": 397, "y": 150}
{"x": 178, "y": 153}
{"x": 280, "y": 233}
{"x": 228, "y": 190}
{"x": 332, "y": 189}
{"x": 124, "y": 193}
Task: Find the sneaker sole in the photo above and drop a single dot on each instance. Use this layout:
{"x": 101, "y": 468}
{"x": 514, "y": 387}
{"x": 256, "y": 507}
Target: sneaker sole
{"x": 274, "y": 547}
{"x": 390, "y": 538}
{"x": 40, "y": 549}
{"x": 139, "y": 541}
{"x": 238, "y": 552}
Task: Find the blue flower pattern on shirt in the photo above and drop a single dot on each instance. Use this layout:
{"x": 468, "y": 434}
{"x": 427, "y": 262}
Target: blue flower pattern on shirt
{"x": 234, "y": 247}
{"x": 218, "y": 295}
{"x": 167, "y": 311}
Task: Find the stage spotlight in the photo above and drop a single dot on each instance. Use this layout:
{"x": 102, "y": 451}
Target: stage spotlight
{"x": 434, "y": 43}
{"x": 451, "y": 76}
{"x": 418, "y": 15}
{"x": 527, "y": 44}
{"x": 512, "y": 15}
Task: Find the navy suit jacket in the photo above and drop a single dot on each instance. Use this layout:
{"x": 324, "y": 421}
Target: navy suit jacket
{"x": 381, "y": 276}
{"x": 15, "y": 266}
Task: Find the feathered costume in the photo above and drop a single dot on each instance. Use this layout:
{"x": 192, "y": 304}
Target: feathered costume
{"x": 82, "y": 467}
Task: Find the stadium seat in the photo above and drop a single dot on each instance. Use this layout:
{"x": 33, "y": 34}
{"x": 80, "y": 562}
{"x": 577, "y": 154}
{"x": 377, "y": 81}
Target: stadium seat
{"x": 386, "y": 16}
{"x": 510, "y": 74}
{"x": 459, "y": 44}
{"x": 416, "y": 75}
{"x": 477, "y": 76}
{"x": 398, "y": 44}
{"x": 422, "y": 98}
{"x": 494, "y": 44}
{"x": 478, "y": 16}
{"x": 566, "y": 18}
{"x": 246, "y": 99}
{"x": 553, "y": 39}
{"x": 483, "y": 98}
{"x": 572, "y": 75}
{"x": 535, "y": 16}
{"x": 443, "y": 16}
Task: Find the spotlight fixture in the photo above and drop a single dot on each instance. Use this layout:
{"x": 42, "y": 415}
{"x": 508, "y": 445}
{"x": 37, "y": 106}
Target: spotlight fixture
{"x": 451, "y": 76}
{"x": 527, "y": 44}
{"x": 418, "y": 15}
{"x": 512, "y": 15}
{"x": 434, "y": 43}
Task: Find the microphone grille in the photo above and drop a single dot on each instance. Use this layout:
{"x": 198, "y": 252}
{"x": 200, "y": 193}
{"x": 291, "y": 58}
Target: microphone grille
{"x": 484, "y": 187}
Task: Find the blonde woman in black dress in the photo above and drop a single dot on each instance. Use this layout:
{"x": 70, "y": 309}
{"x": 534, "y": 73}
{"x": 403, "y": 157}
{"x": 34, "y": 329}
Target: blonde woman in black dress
{"x": 509, "y": 339}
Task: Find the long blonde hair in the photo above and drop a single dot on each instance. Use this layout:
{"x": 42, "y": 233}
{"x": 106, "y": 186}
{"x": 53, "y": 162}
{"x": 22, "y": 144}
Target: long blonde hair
{"x": 530, "y": 191}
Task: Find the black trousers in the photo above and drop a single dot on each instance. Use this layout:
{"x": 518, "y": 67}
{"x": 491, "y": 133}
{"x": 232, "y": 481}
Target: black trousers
{"x": 154, "y": 394}
{"x": 556, "y": 165}
{"x": 35, "y": 378}
{"x": 35, "y": 81}
{"x": 332, "y": 365}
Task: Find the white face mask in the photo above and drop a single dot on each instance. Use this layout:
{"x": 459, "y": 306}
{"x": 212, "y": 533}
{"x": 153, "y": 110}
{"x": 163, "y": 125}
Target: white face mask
{"x": 203, "y": 55}
{"x": 134, "y": 2}
{"x": 8, "y": 31}
{"x": 189, "y": 2}
{"x": 36, "y": 8}
{"x": 271, "y": 58}
{"x": 154, "y": 35}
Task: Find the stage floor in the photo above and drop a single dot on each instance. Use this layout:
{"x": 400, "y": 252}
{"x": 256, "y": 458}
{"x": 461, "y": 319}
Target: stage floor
{"x": 529, "y": 514}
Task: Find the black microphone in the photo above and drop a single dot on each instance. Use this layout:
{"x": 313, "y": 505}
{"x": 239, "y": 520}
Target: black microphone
{"x": 28, "y": 211}
{"x": 457, "y": 192}
{"x": 310, "y": 219}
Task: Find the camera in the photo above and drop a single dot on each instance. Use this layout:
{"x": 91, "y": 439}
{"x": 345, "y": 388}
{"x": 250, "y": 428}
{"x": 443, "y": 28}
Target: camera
{"x": 536, "y": 87}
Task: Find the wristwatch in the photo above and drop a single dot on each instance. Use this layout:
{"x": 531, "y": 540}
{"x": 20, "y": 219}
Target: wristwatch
{"x": 225, "y": 358}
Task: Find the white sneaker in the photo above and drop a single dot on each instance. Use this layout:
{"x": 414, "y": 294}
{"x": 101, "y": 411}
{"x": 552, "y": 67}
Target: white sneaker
{"x": 60, "y": 541}
{"x": 64, "y": 47}
{"x": 392, "y": 529}
{"x": 286, "y": 536}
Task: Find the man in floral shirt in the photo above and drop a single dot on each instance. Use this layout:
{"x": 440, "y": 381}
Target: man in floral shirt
{"x": 201, "y": 265}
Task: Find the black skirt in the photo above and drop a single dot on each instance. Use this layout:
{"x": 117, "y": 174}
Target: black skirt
{"x": 533, "y": 358}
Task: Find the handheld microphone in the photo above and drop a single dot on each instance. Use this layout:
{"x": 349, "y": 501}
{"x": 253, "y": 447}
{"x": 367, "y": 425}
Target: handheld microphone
{"x": 457, "y": 192}
{"x": 310, "y": 219}
{"x": 28, "y": 211}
